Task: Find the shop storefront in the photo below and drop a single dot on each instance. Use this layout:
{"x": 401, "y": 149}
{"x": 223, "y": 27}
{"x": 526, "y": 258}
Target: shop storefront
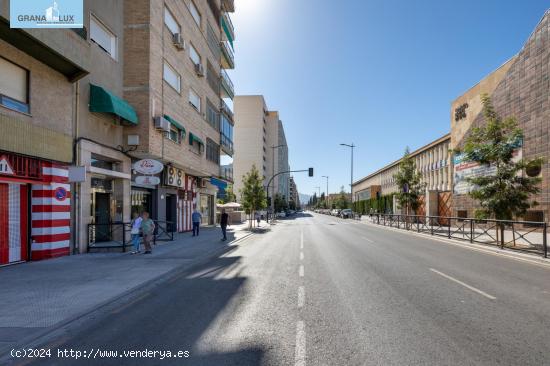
{"x": 35, "y": 209}
{"x": 186, "y": 202}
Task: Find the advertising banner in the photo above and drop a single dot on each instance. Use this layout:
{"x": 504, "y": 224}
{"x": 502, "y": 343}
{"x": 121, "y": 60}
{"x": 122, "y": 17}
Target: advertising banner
{"x": 46, "y": 13}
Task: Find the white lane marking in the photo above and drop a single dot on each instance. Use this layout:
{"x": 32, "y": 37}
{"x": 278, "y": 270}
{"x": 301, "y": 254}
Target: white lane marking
{"x": 301, "y": 256}
{"x": 482, "y": 293}
{"x": 301, "y": 270}
{"x": 301, "y": 240}
{"x": 367, "y": 239}
{"x": 300, "y": 355}
{"x": 301, "y": 296}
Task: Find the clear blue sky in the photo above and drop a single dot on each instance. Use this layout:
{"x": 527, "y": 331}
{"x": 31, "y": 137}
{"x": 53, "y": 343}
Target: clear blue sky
{"x": 381, "y": 74}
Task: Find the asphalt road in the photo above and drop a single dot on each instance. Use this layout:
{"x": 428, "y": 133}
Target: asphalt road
{"x": 318, "y": 290}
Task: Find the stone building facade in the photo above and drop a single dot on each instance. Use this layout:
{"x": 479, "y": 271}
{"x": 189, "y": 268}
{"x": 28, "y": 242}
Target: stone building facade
{"x": 519, "y": 88}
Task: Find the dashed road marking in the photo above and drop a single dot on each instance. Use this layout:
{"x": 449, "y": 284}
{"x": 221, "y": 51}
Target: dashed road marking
{"x": 301, "y": 271}
{"x": 482, "y": 293}
{"x": 301, "y": 296}
{"x": 300, "y": 354}
{"x": 301, "y": 256}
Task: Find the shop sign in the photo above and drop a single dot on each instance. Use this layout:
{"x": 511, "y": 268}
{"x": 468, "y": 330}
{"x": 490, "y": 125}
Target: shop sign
{"x": 5, "y": 167}
{"x": 148, "y": 166}
{"x": 46, "y": 14}
{"x": 147, "y": 180}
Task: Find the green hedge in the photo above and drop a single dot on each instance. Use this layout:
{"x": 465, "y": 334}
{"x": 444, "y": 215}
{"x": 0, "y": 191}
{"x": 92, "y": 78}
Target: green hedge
{"x": 384, "y": 204}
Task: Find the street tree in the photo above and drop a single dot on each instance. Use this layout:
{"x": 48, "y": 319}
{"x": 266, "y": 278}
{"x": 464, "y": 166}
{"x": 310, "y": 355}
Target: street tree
{"x": 229, "y": 195}
{"x": 408, "y": 181}
{"x": 342, "y": 201}
{"x": 506, "y": 192}
{"x": 280, "y": 203}
{"x": 253, "y": 193}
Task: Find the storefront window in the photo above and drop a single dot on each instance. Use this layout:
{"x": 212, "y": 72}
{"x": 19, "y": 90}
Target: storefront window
{"x": 140, "y": 200}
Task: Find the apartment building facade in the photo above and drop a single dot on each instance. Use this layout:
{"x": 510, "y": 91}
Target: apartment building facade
{"x": 433, "y": 162}
{"x": 261, "y": 142}
{"x": 177, "y": 80}
{"x": 38, "y": 73}
{"x": 293, "y": 192}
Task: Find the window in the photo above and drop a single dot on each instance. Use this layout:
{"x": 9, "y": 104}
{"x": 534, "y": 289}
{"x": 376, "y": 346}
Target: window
{"x": 171, "y": 22}
{"x": 174, "y": 134}
{"x": 212, "y": 151}
{"x": 195, "y": 100}
{"x": 171, "y": 77}
{"x": 103, "y": 37}
{"x": 14, "y": 81}
{"x": 195, "y": 13}
{"x": 212, "y": 115}
{"x": 194, "y": 55}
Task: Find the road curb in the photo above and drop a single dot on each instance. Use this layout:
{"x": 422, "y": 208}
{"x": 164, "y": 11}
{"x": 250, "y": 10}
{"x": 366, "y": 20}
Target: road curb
{"x": 506, "y": 253}
{"x": 127, "y": 295}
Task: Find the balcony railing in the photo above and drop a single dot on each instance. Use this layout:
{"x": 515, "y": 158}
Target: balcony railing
{"x": 226, "y": 173}
{"x": 228, "y": 89}
{"x": 228, "y": 5}
{"x": 226, "y": 144}
{"x": 228, "y": 112}
{"x": 228, "y": 58}
{"x": 227, "y": 27}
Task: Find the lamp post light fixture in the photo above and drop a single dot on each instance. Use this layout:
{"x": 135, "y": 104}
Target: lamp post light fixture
{"x": 326, "y": 197}
{"x": 352, "y": 146}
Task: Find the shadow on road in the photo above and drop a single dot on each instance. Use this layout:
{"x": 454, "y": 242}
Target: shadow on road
{"x": 173, "y": 316}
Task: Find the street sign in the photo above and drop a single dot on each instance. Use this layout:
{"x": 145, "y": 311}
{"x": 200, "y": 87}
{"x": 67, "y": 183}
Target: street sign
{"x": 148, "y": 166}
{"x": 148, "y": 180}
{"x": 5, "y": 167}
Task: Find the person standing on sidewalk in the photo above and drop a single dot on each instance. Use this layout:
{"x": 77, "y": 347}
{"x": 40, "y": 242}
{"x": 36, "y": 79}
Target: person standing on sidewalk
{"x": 224, "y": 223}
{"x": 196, "y": 217}
{"x": 135, "y": 226}
{"x": 147, "y": 229}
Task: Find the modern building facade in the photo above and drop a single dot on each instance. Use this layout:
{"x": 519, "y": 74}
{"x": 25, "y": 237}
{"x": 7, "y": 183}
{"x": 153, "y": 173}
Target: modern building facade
{"x": 176, "y": 80}
{"x": 519, "y": 88}
{"x": 261, "y": 142}
{"x": 433, "y": 161}
{"x": 293, "y": 194}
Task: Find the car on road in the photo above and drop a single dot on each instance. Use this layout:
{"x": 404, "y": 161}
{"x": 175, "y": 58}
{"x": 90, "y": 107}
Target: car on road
{"x": 335, "y": 212}
{"x": 346, "y": 213}
{"x": 281, "y": 215}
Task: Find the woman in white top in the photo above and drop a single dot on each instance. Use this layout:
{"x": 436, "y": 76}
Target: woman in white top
{"x": 135, "y": 228}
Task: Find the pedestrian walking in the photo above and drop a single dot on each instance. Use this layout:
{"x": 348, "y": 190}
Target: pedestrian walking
{"x": 224, "y": 223}
{"x": 196, "y": 217}
{"x": 135, "y": 227}
{"x": 258, "y": 217}
{"x": 147, "y": 229}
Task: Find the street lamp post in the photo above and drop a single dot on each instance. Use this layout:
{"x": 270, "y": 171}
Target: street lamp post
{"x": 352, "y": 146}
{"x": 326, "y": 197}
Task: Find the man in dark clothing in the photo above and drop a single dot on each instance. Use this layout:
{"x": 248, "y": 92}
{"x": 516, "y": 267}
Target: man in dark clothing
{"x": 224, "y": 222}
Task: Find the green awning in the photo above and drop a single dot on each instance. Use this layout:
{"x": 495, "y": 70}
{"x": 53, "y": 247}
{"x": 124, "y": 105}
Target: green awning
{"x": 193, "y": 138}
{"x": 227, "y": 32}
{"x": 101, "y": 100}
{"x": 175, "y": 123}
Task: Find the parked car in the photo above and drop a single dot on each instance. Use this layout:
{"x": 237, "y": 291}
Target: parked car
{"x": 346, "y": 213}
{"x": 281, "y": 214}
{"x": 335, "y": 212}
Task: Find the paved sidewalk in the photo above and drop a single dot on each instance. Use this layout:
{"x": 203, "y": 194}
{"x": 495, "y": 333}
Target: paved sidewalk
{"x": 40, "y": 295}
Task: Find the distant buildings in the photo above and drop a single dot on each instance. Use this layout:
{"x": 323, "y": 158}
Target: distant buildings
{"x": 261, "y": 141}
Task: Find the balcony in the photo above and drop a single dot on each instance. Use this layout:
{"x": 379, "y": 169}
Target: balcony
{"x": 226, "y": 144}
{"x": 228, "y": 5}
{"x": 228, "y": 89}
{"x": 226, "y": 172}
{"x": 228, "y": 28}
{"x": 228, "y": 58}
{"x": 228, "y": 112}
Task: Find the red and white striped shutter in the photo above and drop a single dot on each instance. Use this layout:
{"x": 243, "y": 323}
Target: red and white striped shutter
{"x": 13, "y": 222}
{"x": 51, "y": 213}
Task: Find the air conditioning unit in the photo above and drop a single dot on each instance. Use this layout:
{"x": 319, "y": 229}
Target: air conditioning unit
{"x": 201, "y": 183}
{"x": 199, "y": 69}
{"x": 162, "y": 123}
{"x": 178, "y": 41}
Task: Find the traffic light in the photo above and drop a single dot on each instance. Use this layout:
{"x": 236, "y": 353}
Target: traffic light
{"x": 310, "y": 172}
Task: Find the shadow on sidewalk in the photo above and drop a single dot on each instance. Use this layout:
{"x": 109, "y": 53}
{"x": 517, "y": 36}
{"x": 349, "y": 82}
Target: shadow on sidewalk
{"x": 191, "y": 310}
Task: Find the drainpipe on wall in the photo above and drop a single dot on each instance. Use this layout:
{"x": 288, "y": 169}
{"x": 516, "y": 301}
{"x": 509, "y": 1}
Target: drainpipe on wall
{"x": 76, "y": 186}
